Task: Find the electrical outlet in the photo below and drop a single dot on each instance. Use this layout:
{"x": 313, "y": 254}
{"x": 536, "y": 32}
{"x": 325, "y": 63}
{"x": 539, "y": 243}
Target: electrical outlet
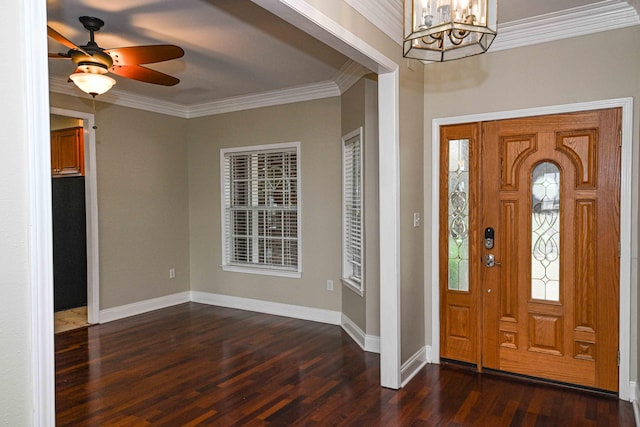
{"x": 329, "y": 285}
{"x": 172, "y": 273}
{"x": 416, "y": 219}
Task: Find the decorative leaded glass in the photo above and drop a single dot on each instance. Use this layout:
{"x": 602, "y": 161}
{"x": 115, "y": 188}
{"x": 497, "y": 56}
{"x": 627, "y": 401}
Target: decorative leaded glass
{"x": 545, "y": 233}
{"x": 458, "y": 215}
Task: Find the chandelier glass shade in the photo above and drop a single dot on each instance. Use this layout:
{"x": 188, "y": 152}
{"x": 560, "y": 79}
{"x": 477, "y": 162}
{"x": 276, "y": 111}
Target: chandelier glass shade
{"x": 443, "y": 30}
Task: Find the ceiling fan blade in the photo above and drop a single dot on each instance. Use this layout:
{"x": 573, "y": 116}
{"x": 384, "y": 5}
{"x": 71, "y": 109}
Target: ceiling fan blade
{"x": 59, "y": 56}
{"x": 64, "y": 41}
{"x": 144, "y": 74}
{"x": 135, "y": 55}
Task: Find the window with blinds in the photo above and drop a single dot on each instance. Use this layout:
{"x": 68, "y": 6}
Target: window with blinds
{"x": 352, "y": 224}
{"x": 261, "y": 212}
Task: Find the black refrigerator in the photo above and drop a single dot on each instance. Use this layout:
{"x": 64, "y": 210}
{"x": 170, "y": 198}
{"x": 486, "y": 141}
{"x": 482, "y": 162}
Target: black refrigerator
{"x": 69, "y": 243}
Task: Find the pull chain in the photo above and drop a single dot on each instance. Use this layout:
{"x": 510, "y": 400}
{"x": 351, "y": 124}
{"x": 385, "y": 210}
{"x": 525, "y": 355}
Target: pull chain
{"x": 95, "y": 123}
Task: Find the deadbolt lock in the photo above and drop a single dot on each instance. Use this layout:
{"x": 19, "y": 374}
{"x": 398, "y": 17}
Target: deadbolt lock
{"x": 489, "y": 236}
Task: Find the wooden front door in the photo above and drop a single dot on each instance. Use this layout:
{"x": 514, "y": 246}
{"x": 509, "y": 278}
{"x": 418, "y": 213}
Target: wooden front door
{"x": 541, "y": 299}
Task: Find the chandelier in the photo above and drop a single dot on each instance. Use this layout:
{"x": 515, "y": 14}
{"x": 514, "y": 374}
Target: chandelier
{"x": 443, "y": 30}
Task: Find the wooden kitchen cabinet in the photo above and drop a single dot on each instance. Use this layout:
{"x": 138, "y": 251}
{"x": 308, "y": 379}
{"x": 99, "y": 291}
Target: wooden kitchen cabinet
{"x": 67, "y": 152}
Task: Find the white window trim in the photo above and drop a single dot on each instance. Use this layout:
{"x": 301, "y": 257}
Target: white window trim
{"x": 261, "y": 269}
{"x": 356, "y": 287}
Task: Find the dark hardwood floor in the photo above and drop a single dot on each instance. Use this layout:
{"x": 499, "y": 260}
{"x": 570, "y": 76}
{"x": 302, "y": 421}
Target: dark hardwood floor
{"x": 195, "y": 364}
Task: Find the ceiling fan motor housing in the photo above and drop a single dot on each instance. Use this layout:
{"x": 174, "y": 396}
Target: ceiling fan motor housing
{"x": 97, "y": 58}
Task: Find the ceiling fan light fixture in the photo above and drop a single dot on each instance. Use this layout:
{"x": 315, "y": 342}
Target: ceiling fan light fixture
{"x": 92, "y": 83}
{"x": 443, "y": 30}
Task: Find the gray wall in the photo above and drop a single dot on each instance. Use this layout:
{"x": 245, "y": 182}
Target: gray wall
{"x": 360, "y": 108}
{"x": 371, "y": 201}
{"x": 316, "y": 125}
{"x": 353, "y": 116}
{"x": 145, "y": 184}
{"x": 412, "y": 242}
{"x": 142, "y": 201}
{"x": 595, "y": 67}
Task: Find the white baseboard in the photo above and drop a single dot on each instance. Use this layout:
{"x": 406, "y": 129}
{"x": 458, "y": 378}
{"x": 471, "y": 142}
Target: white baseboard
{"x": 412, "y": 366}
{"x": 370, "y": 343}
{"x": 120, "y": 312}
{"x": 267, "y": 307}
{"x": 430, "y": 358}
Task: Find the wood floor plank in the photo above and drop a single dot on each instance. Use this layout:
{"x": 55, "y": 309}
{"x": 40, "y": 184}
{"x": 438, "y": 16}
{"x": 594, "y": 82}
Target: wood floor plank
{"x": 197, "y": 365}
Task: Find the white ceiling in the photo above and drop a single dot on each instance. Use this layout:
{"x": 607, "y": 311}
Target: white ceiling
{"x": 234, "y": 48}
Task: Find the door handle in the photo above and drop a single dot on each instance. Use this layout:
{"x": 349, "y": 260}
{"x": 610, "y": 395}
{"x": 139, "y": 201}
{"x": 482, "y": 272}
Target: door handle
{"x": 490, "y": 261}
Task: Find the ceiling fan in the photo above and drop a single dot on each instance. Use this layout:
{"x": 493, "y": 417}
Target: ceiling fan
{"x": 93, "y": 62}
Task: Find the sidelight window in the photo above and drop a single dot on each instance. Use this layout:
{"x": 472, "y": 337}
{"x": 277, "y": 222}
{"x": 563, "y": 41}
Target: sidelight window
{"x": 458, "y": 215}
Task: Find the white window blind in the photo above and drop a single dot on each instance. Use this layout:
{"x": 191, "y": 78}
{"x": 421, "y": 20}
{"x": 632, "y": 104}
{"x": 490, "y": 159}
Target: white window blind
{"x": 261, "y": 215}
{"x": 352, "y": 224}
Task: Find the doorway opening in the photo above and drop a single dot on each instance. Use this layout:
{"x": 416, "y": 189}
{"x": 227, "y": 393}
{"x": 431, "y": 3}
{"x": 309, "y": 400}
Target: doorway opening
{"x": 69, "y": 223}
{"x": 91, "y": 310}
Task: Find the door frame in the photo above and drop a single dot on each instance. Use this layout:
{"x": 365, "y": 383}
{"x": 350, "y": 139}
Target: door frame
{"x": 91, "y": 196}
{"x": 625, "y": 385}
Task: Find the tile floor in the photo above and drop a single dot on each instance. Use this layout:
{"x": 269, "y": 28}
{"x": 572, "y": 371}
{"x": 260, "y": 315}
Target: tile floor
{"x": 70, "y": 319}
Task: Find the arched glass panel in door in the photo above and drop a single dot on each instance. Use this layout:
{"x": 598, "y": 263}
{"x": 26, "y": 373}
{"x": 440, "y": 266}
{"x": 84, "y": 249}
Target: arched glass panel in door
{"x": 545, "y": 232}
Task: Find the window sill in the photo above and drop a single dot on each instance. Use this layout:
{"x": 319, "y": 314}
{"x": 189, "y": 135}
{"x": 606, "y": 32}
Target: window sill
{"x": 262, "y": 271}
{"x": 349, "y": 284}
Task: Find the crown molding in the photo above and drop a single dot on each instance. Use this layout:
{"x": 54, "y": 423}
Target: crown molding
{"x": 311, "y": 92}
{"x": 579, "y": 21}
{"x": 348, "y": 75}
{"x": 603, "y": 16}
{"x": 384, "y": 14}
